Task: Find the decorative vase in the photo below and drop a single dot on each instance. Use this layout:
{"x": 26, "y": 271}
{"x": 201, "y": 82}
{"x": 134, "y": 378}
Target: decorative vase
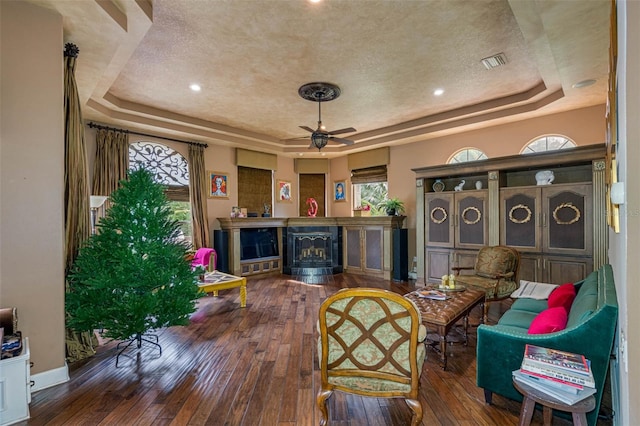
{"x": 478, "y": 184}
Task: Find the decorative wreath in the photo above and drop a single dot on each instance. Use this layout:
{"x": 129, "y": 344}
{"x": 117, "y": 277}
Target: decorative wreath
{"x": 471, "y": 222}
{"x": 566, "y": 206}
{"x": 433, "y": 215}
{"x": 518, "y": 207}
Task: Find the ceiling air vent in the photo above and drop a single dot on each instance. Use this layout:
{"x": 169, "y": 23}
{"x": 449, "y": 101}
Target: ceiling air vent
{"x": 494, "y": 61}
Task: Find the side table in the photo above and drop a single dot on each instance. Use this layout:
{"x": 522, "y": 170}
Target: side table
{"x": 15, "y": 391}
{"x": 578, "y": 410}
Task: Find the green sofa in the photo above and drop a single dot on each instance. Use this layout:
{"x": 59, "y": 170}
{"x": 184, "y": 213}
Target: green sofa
{"x": 591, "y": 328}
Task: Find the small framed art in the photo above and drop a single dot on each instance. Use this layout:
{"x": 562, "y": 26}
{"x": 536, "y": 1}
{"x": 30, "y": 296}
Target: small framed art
{"x": 284, "y": 191}
{"x": 339, "y": 191}
{"x": 218, "y": 184}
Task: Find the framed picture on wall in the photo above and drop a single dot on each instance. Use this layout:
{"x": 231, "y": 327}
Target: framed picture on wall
{"x": 284, "y": 191}
{"x": 218, "y": 184}
{"x": 339, "y": 191}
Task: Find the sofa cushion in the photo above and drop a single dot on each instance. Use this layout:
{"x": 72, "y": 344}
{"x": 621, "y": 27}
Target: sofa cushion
{"x": 562, "y": 296}
{"x": 530, "y": 305}
{"x": 549, "y": 321}
{"x": 517, "y": 318}
{"x": 582, "y": 308}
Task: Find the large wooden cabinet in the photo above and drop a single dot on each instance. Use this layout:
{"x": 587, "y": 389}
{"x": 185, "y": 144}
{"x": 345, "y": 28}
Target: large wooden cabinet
{"x": 559, "y": 229}
{"x": 552, "y": 227}
{"x": 456, "y": 227}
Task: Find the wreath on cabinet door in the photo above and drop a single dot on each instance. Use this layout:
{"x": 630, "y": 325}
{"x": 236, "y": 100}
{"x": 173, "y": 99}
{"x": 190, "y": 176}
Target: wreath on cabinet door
{"x": 566, "y": 206}
{"x": 520, "y": 207}
{"x": 467, "y": 210}
{"x": 433, "y": 215}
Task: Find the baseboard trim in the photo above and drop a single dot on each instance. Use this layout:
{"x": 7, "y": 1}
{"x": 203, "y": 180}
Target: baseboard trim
{"x": 49, "y": 378}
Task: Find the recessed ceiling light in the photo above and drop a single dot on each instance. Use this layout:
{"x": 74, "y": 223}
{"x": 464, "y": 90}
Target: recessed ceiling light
{"x": 195, "y": 87}
{"x": 583, "y": 83}
{"x": 315, "y": 1}
{"x": 438, "y": 92}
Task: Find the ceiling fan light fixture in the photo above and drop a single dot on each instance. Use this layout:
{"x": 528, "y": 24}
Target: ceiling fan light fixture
{"x": 319, "y": 140}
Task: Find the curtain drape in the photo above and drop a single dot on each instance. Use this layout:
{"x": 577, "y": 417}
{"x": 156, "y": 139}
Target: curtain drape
{"x": 198, "y": 187}
{"x": 112, "y": 161}
{"x": 76, "y": 194}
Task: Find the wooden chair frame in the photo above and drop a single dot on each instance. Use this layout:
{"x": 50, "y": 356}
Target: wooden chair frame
{"x": 408, "y": 375}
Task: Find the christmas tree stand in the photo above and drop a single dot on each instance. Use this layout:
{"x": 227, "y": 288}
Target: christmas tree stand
{"x": 138, "y": 339}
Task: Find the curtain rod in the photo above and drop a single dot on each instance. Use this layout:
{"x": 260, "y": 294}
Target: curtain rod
{"x": 100, "y": 126}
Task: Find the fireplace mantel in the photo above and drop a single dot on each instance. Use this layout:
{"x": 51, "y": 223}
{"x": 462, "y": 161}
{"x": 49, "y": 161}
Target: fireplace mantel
{"x": 229, "y": 223}
{"x": 233, "y": 225}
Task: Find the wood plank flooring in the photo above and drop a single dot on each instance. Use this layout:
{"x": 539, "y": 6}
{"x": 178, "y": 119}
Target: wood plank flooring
{"x": 258, "y": 366}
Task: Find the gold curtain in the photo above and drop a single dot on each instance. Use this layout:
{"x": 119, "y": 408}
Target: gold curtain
{"x": 112, "y": 160}
{"x": 76, "y": 194}
{"x": 77, "y": 218}
{"x": 198, "y": 187}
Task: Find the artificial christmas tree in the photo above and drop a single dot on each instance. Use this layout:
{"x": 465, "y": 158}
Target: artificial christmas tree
{"x": 132, "y": 277}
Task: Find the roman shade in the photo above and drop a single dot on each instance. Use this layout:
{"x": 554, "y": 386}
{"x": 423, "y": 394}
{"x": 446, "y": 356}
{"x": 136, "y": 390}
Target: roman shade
{"x": 256, "y": 160}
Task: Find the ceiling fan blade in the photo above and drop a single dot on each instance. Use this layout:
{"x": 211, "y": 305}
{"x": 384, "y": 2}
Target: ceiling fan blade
{"x": 346, "y": 130}
{"x": 308, "y": 129}
{"x": 341, "y": 140}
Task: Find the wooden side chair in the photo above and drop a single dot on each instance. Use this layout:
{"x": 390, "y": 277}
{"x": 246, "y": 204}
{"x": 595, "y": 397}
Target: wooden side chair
{"x": 370, "y": 345}
{"x": 495, "y": 272}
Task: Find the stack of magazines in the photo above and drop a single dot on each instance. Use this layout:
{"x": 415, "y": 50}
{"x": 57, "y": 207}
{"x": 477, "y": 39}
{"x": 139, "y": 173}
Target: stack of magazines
{"x": 564, "y": 376}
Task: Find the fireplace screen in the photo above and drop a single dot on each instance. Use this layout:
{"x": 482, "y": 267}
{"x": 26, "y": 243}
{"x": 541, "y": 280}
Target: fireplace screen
{"x": 312, "y": 250}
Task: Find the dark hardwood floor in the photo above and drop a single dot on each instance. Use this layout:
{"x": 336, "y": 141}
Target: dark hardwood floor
{"x": 258, "y": 366}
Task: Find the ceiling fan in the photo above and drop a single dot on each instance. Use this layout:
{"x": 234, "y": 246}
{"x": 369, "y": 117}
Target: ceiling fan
{"x": 323, "y": 92}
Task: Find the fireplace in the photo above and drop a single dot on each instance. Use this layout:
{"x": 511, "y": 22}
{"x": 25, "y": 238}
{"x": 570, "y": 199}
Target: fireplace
{"x": 311, "y": 249}
{"x": 312, "y": 254}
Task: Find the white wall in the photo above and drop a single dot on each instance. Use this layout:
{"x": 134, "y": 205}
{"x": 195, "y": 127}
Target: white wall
{"x": 32, "y": 178}
{"x": 626, "y": 245}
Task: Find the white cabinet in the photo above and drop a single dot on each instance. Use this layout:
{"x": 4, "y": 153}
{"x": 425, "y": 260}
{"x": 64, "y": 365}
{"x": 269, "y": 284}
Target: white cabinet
{"x": 15, "y": 391}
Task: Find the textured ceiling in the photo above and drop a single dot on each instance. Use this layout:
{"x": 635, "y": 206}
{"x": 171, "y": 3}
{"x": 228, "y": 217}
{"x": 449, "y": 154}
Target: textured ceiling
{"x": 138, "y": 58}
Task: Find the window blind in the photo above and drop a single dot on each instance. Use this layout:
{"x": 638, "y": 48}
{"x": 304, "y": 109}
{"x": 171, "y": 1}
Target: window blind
{"x": 369, "y": 175}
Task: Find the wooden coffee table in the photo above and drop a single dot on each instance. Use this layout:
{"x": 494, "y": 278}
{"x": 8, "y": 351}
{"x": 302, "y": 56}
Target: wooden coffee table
{"x": 443, "y": 314}
{"x": 216, "y": 280}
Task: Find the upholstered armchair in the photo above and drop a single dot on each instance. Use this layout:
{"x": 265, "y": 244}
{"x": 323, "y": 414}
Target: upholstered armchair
{"x": 370, "y": 345}
{"x": 495, "y": 272}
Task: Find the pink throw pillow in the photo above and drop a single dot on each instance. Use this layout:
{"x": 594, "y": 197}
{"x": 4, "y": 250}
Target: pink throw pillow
{"x": 562, "y": 296}
{"x": 549, "y": 321}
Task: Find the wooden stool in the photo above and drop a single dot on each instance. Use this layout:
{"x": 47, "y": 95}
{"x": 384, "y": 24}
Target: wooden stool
{"x": 531, "y": 396}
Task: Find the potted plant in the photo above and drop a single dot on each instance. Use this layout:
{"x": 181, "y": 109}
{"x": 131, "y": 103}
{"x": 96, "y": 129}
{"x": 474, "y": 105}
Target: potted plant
{"x": 393, "y": 206}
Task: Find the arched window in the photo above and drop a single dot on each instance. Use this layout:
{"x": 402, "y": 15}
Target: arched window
{"x": 548, "y": 143}
{"x": 467, "y": 154}
{"x": 170, "y": 169}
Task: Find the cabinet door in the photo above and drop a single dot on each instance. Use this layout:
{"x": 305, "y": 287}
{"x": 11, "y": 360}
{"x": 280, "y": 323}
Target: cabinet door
{"x": 530, "y": 268}
{"x": 567, "y": 220}
{"x": 353, "y": 244}
{"x": 438, "y": 262}
{"x": 520, "y": 223}
{"x": 439, "y": 220}
{"x": 373, "y": 249}
{"x": 471, "y": 220}
{"x": 465, "y": 258}
{"x": 560, "y": 270}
